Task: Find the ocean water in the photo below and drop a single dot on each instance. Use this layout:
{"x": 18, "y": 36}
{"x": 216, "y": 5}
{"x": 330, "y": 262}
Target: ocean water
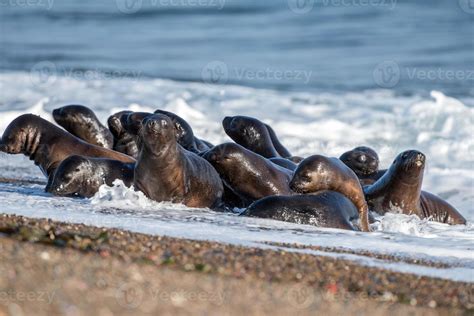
{"x": 305, "y": 45}
{"x": 439, "y": 125}
{"x": 326, "y": 75}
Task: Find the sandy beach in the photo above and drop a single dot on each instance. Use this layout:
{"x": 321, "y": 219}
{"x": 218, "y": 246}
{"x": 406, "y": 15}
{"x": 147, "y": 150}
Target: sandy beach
{"x": 53, "y": 268}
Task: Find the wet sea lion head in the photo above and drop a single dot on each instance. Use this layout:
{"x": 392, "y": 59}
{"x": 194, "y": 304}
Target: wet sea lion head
{"x": 75, "y": 174}
{"x": 157, "y": 132}
{"x": 70, "y": 115}
{"x": 132, "y": 122}
{"x": 184, "y": 131}
{"x": 224, "y": 156}
{"x": 22, "y": 135}
{"x": 362, "y": 160}
{"x": 310, "y": 174}
{"x": 115, "y": 124}
{"x": 408, "y": 166}
{"x": 247, "y": 131}
{"x": 82, "y": 122}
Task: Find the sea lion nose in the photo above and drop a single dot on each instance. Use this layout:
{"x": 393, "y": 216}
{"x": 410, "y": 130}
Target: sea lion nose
{"x": 163, "y": 123}
{"x": 153, "y": 124}
{"x": 56, "y": 112}
{"x": 420, "y": 157}
{"x": 211, "y": 156}
{"x": 226, "y": 121}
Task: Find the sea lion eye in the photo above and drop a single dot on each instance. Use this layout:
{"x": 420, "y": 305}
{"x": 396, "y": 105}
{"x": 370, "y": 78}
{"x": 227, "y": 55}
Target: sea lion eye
{"x": 405, "y": 156}
{"x": 362, "y": 158}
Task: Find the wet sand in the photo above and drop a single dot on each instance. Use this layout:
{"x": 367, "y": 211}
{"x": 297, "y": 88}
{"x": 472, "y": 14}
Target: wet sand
{"x": 57, "y": 268}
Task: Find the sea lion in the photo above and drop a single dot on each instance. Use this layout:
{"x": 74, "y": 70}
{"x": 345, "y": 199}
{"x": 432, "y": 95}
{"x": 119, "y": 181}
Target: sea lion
{"x": 81, "y": 122}
{"x": 323, "y": 209}
{"x": 132, "y": 122}
{"x": 251, "y": 134}
{"x": 317, "y": 173}
{"x": 249, "y": 175}
{"x": 124, "y": 142}
{"x": 165, "y": 171}
{"x": 47, "y": 144}
{"x": 83, "y": 176}
{"x": 186, "y": 134}
{"x": 364, "y": 161}
{"x": 399, "y": 189}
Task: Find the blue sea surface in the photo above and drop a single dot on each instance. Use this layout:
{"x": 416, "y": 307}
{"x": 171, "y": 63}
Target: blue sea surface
{"x": 305, "y": 45}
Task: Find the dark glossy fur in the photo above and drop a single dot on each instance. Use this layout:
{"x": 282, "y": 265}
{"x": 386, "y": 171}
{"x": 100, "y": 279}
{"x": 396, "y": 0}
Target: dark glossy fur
{"x": 82, "y": 176}
{"x": 48, "y": 145}
{"x": 249, "y": 175}
{"x": 317, "y": 173}
{"x": 84, "y": 124}
{"x": 322, "y": 209}
{"x": 399, "y": 190}
{"x": 165, "y": 171}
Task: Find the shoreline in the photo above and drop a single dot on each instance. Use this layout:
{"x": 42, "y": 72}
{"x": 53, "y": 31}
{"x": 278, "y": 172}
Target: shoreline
{"x": 320, "y": 275}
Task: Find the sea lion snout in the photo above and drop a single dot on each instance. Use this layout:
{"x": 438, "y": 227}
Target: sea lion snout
{"x": 227, "y": 121}
{"x": 297, "y": 185}
{"x": 211, "y": 156}
{"x": 414, "y": 157}
{"x": 156, "y": 123}
{"x": 57, "y": 113}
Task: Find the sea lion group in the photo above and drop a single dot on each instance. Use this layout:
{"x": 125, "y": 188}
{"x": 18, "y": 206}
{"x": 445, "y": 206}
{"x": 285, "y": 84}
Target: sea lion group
{"x": 159, "y": 155}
